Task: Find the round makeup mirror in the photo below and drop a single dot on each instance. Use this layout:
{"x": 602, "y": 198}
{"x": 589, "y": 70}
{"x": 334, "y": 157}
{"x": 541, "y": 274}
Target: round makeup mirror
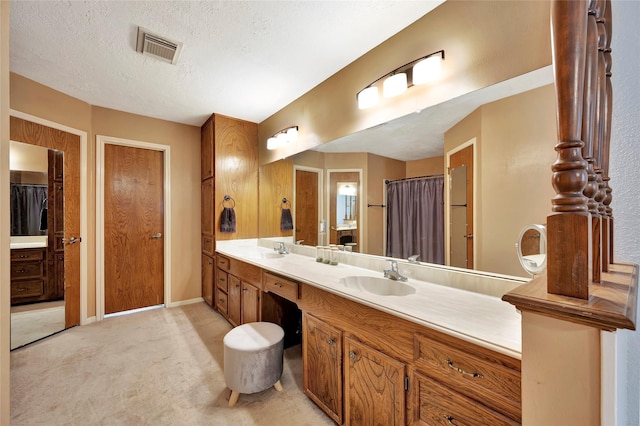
{"x": 532, "y": 248}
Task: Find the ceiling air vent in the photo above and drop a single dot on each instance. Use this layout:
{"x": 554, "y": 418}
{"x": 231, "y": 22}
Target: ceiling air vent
{"x": 158, "y": 47}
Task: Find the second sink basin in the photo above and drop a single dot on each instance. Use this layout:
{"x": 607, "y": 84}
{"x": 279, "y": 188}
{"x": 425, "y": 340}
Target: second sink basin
{"x": 378, "y": 286}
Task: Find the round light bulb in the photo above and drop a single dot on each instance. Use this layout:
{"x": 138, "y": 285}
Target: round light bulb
{"x": 272, "y": 143}
{"x": 394, "y": 85}
{"x": 368, "y": 97}
{"x": 427, "y": 70}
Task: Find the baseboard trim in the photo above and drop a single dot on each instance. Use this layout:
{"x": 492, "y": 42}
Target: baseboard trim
{"x": 185, "y": 302}
{"x": 89, "y": 320}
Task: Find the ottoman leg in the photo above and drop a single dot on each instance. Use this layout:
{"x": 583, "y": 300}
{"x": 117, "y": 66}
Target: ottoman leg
{"x": 233, "y": 398}
{"x": 278, "y": 386}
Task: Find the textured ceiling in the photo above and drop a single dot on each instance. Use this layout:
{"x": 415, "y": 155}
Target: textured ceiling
{"x": 244, "y": 59}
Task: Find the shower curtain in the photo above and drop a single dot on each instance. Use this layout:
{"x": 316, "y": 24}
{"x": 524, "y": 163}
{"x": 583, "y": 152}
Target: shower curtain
{"x": 28, "y": 207}
{"x": 415, "y": 219}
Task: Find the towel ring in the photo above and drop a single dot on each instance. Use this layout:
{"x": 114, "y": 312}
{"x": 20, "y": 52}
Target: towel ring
{"x": 227, "y": 199}
{"x": 285, "y": 203}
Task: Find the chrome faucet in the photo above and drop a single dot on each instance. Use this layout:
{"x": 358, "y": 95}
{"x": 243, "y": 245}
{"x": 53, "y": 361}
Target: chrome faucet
{"x": 392, "y": 273}
{"x": 280, "y": 248}
{"x": 414, "y": 258}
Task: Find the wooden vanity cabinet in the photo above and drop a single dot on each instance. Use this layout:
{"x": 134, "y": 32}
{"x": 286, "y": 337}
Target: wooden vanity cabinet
{"x": 322, "y": 363}
{"x": 397, "y": 372}
{"x": 28, "y": 275}
{"x": 238, "y": 290}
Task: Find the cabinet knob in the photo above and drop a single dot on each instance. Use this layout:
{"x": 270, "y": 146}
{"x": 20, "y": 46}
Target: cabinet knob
{"x": 352, "y": 355}
{"x": 450, "y": 420}
{"x": 330, "y": 341}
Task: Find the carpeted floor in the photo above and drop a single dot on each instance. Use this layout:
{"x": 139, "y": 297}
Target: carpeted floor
{"x": 160, "y": 367}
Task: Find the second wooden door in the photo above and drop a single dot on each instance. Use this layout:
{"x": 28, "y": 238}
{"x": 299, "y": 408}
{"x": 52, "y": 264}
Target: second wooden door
{"x": 133, "y": 227}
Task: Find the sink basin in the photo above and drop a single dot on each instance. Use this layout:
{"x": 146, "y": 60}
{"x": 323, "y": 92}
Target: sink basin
{"x": 268, "y": 255}
{"x": 378, "y": 286}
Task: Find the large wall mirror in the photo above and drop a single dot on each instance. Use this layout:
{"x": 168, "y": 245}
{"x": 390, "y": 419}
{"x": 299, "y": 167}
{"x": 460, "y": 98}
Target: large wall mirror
{"x": 37, "y": 257}
{"x": 510, "y": 128}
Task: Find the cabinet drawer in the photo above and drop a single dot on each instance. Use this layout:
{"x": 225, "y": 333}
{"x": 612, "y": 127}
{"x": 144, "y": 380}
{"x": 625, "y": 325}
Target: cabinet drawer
{"x": 478, "y": 377}
{"x": 27, "y": 270}
{"x": 281, "y": 286}
{"x": 222, "y": 279}
{"x": 27, "y": 254}
{"x": 432, "y": 403}
{"x": 27, "y": 288}
{"x": 222, "y": 262}
{"x": 221, "y": 302}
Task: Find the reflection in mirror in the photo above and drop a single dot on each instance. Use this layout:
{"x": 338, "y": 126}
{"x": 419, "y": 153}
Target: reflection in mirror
{"x": 532, "y": 249}
{"x": 513, "y": 125}
{"x": 344, "y": 214}
{"x": 37, "y": 259}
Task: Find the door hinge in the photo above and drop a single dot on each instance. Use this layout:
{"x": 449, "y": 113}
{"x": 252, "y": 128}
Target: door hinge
{"x": 406, "y": 383}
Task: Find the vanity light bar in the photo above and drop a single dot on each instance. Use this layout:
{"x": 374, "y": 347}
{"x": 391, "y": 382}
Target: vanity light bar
{"x": 283, "y": 137}
{"x": 419, "y": 71}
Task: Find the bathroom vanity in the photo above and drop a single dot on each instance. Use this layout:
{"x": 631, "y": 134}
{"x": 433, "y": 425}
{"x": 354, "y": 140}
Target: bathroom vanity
{"x": 437, "y": 354}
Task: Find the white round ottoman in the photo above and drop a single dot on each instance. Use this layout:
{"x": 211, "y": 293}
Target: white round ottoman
{"x": 253, "y": 355}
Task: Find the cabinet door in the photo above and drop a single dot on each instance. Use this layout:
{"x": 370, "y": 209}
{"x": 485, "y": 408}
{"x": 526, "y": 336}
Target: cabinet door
{"x": 234, "y": 300}
{"x": 322, "y": 361}
{"x": 206, "y": 149}
{"x": 206, "y": 208}
{"x": 374, "y": 387}
{"x": 207, "y": 279}
{"x": 250, "y": 303}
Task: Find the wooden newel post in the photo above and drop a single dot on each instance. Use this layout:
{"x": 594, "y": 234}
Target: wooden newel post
{"x": 569, "y": 226}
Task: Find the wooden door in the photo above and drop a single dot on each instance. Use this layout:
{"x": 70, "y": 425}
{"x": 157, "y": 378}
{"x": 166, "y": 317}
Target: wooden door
{"x": 250, "y": 303}
{"x": 322, "y": 361}
{"x": 37, "y": 134}
{"x": 463, "y": 159}
{"x": 306, "y": 225}
{"x": 374, "y": 386}
{"x": 133, "y": 227}
{"x": 234, "y": 300}
{"x": 336, "y": 177}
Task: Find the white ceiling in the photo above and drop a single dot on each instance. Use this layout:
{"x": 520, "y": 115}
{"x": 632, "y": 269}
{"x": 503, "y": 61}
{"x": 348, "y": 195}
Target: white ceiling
{"x": 244, "y": 59}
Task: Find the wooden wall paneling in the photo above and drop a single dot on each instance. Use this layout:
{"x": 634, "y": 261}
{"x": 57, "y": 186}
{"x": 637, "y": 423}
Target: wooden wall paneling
{"x": 279, "y": 175}
{"x": 236, "y": 171}
{"x": 207, "y": 162}
{"x": 36, "y": 134}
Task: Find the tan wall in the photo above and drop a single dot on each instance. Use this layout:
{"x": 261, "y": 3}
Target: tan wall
{"x": 484, "y": 44}
{"x": 560, "y": 372}
{"x": 514, "y": 154}
{"x": 35, "y": 99}
{"x": 378, "y": 169}
{"x": 5, "y": 288}
{"x": 27, "y": 157}
{"x": 425, "y": 167}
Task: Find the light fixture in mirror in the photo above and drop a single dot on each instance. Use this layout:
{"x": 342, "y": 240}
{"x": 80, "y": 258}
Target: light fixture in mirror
{"x": 532, "y": 249}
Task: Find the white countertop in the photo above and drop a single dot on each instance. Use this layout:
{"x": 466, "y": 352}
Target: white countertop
{"x": 28, "y": 242}
{"x": 478, "y": 318}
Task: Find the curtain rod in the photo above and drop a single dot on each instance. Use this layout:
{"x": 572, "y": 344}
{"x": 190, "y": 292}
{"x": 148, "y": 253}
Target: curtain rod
{"x": 417, "y": 177}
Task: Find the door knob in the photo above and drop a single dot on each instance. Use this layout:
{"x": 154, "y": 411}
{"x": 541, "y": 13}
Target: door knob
{"x": 74, "y": 240}
{"x": 158, "y": 235}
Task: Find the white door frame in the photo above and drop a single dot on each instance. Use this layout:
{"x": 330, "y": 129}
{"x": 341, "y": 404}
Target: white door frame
{"x": 101, "y": 141}
{"x": 361, "y": 192}
{"x": 83, "y": 202}
{"x": 320, "y": 173}
{"x": 447, "y": 196}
